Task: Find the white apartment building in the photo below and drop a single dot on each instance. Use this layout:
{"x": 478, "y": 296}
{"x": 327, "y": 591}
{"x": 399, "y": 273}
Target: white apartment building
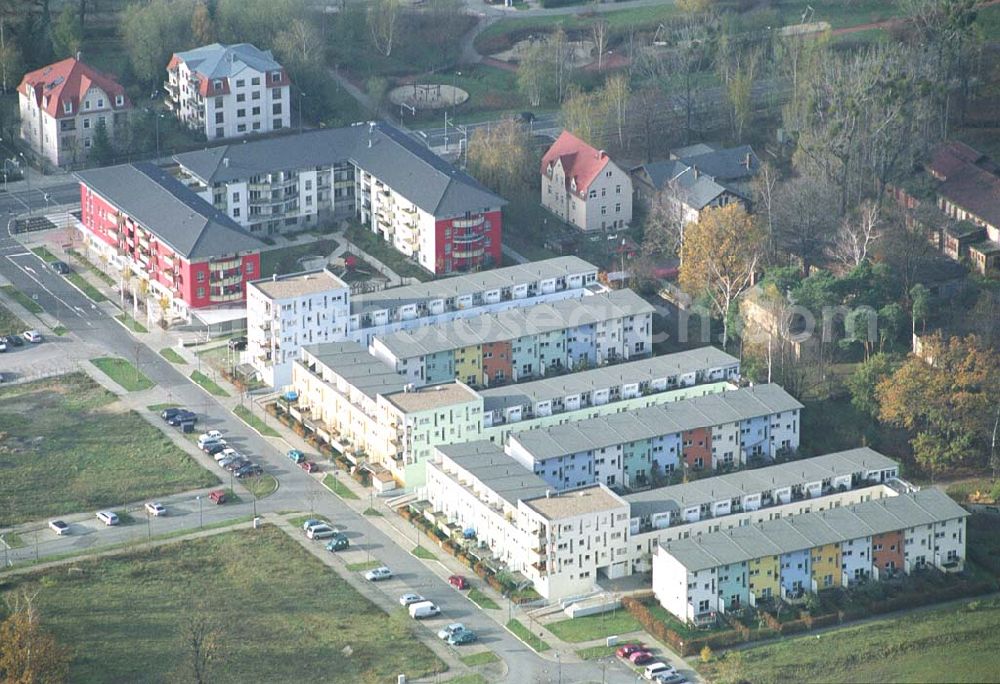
{"x": 582, "y": 186}
{"x": 228, "y": 91}
{"x": 289, "y": 312}
{"x": 62, "y": 106}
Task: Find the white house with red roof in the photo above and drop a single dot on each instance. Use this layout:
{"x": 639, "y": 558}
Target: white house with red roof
{"x": 582, "y": 186}
{"x": 63, "y": 104}
{"x": 228, "y": 91}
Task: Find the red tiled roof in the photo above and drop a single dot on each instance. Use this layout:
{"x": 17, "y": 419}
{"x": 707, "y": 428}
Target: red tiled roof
{"x": 951, "y": 157}
{"x": 68, "y": 81}
{"x": 579, "y": 160}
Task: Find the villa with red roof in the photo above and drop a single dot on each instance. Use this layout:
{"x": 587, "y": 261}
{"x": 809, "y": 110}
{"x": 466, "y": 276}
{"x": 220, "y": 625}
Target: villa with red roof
{"x": 62, "y": 106}
{"x": 582, "y": 186}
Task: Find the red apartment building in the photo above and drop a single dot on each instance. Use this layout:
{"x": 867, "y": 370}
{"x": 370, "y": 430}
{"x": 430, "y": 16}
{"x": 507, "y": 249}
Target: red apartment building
{"x": 142, "y": 218}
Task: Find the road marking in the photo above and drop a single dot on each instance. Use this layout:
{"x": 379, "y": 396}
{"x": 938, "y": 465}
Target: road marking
{"x": 28, "y": 271}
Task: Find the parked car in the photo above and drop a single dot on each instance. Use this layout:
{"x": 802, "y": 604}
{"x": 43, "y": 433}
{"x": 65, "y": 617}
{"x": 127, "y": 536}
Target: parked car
{"x": 338, "y": 542}
{"x": 407, "y": 599}
{"x": 15, "y": 341}
{"x": 249, "y": 470}
{"x": 226, "y": 452}
{"x": 60, "y": 267}
{"x": 625, "y": 650}
{"x": 182, "y": 416}
{"x": 640, "y": 657}
{"x": 215, "y": 449}
{"x": 226, "y": 460}
{"x": 107, "y": 517}
{"x": 210, "y": 443}
{"x": 168, "y": 413}
{"x": 238, "y": 344}
{"x": 321, "y": 532}
{"x": 424, "y": 609}
{"x": 312, "y": 522}
{"x": 654, "y": 671}
{"x": 296, "y": 455}
{"x": 378, "y": 574}
{"x": 210, "y": 436}
{"x": 309, "y": 466}
{"x": 217, "y": 496}
{"x": 446, "y": 631}
{"x": 463, "y": 636}
{"x": 157, "y": 509}
{"x": 59, "y": 527}
{"x": 237, "y": 463}
{"x": 458, "y": 581}
{"x": 33, "y": 336}
{"x": 3, "y": 345}
{"x": 670, "y": 678}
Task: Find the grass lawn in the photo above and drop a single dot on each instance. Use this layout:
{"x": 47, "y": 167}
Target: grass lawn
{"x": 331, "y": 482}
{"x": 12, "y": 539}
{"x": 131, "y": 323}
{"x": 44, "y": 253}
{"x": 595, "y": 652}
{"x": 525, "y": 635}
{"x": 373, "y": 513}
{"x": 262, "y": 486}
{"x": 208, "y": 384}
{"x": 244, "y": 414}
{"x": 9, "y": 323}
{"x": 123, "y": 372}
{"x": 364, "y": 567}
{"x": 483, "y": 658}
{"x": 593, "y": 627}
{"x": 82, "y": 260}
{"x": 159, "y": 408}
{"x": 172, "y": 356}
{"x": 482, "y": 600}
{"x": 962, "y": 491}
{"x": 69, "y": 445}
{"x": 368, "y": 242}
{"x": 258, "y": 591}
{"x": 92, "y": 292}
{"x": 942, "y": 645}
{"x": 473, "y": 678}
{"x": 282, "y": 260}
{"x": 421, "y": 552}
{"x": 59, "y": 330}
{"x": 22, "y": 299}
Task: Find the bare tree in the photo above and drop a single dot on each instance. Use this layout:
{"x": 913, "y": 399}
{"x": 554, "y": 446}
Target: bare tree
{"x": 856, "y": 236}
{"x": 764, "y": 184}
{"x": 664, "y": 226}
{"x": 616, "y": 97}
{"x": 805, "y": 213}
{"x": 559, "y": 48}
{"x": 383, "y": 15}
{"x": 201, "y": 640}
{"x": 599, "y": 29}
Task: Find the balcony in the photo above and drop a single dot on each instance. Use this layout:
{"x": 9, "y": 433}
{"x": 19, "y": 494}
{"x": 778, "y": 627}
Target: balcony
{"x": 467, "y": 253}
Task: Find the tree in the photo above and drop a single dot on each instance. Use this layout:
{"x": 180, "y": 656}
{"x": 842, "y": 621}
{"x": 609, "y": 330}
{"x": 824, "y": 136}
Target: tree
{"x": 920, "y": 298}
{"x": 857, "y": 235}
{"x": 102, "y": 152}
{"x": 256, "y": 21}
{"x": 599, "y": 29}
{"x": 616, "y": 97}
{"x": 719, "y": 258}
{"x": 383, "y": 16}
{"x": 864, "y": 380}
{"x": 201, "y": 640}
{"x": 153, "y": 32}
{"x": 534, "y": 74}
{"x": 28, "y": 653}
{"x": 300, "y": 46}
{"x": 202, "y": 26}
{"x": 500, "y": 157}
{"x": 67, "y": 32}
{"x": 694, "y": 6}
{"x": 559, "y": 51}
{"x": 706, "y": 653}
{"x": 739, "y": 88}
{"x": 804, "y": 213}
{"x": 584, "y": 115}
{"x": 377, "y": 88}
{"x": 763, "y": 188}
{"x": 891, "y": 319}
{"x": 663, "y": 232}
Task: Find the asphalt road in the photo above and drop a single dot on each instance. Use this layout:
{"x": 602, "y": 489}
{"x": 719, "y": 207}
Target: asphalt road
{"x": 94, "y": 330}
{"x": 36, "y": 199}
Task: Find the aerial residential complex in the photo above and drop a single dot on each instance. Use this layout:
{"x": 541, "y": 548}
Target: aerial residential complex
{"x": 62, "y": 106}
{"x": 726, "y": 429}
{"x": 477, "y": 489}
{"x": 228, "y": 91}
{"x": 420, "y": 204}
{"x": 139, "y": 218}
{"x": 522, "y": 344}
{"x": 309, "y": 308}
{"x": 699, "y": 577}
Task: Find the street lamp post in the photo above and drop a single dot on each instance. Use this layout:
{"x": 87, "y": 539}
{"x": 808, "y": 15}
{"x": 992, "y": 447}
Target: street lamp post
{"x": 201, "y": 519}
{"x": 27, "y": 177}
{"x": 301, "y": 95}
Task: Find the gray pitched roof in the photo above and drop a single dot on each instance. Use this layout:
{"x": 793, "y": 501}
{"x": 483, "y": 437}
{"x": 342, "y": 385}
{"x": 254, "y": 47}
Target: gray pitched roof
{"x": 702, "y": 173}
{"x": 758, "y": 480}
{"x": 805, "y": 531}
{"x": 726, "y": 164}
{"x": 383, "y": 150}
{"x": 352, "y": 362}
{"x": 655, "y": 421}
{"x": 487, "y": 462}
{"x": 222, "y": 61}
{"x": 185, "y": 222}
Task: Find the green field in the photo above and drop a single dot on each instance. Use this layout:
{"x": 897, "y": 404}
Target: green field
{"x": 172, "y": 356}
{"x": 69, "y": 445}
{"x": 44, "y": 254}
{"x": 22, "y": 299}
{"x": 368, "y": 242}
{"x": 947, "y": 645}
{"x": 208, "y": 384}
{"x": 9, "y": 323}
{"x": 92, "y": 292}
{"x": 277, "y": 613}
{"x": 244, "y": 414}
{"x": 481, "y": 658}
{"x": 131, "y": 323}
{"x": 482, "y": 600}
{"x": 593, "y": 627}
{"x": 124, "y": 373}
{"x": 518, "y": 629}
{"x": 282, "y": 260}
{"x": 337, "y": 487}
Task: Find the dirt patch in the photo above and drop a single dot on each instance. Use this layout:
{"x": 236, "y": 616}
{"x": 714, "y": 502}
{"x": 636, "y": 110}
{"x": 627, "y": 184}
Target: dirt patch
{"x": 581, "y": 52}
{"x": 428, "y": 95}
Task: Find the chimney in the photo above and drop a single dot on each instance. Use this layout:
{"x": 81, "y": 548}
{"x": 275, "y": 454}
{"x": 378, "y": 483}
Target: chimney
{"x": 746, "y": 161}
{"x": 274, "y": 277}
{"x": 225, "y": 162}
{"x": 694, "y": 169}
{"x": 548, "y": 493}
{"x": 79, "y": 55}
{"x": 600, "y": 154}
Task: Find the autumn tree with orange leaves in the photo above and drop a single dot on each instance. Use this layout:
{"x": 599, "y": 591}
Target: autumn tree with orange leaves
{"x": 29, "y": 654}
{"x": 719, "y": 257}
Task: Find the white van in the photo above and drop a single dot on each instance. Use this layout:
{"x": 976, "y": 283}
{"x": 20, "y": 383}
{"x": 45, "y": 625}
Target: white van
{"x": 424, "y": 609}
{"x": 658, "y": 670}
{"x": 107, "y": 517}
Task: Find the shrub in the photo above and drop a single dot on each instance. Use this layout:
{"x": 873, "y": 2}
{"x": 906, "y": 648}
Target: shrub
{"x": 706, "y": 653}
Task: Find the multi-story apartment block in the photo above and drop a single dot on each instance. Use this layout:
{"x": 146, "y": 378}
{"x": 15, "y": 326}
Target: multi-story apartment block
{"x": 582, "y": 186}
{"x": 289, "y": 312}
{"x": 140, "y": 218}
{"x": 441, "y": 217}
{"x": 563, "y": 543}
{"x": 228, "y": 91}
{"x": 522, "y": 344}
{"x": 63, "y": 105}
{"x": 722, "y": 430}
{"x": 700, "y": 577}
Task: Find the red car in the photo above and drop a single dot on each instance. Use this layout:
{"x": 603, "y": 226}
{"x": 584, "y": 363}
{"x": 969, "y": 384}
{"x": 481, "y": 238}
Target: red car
{"x": 218, "y": 496}
{"x": 458, "y": 582}
{"x": 640, "y": 657}
{"x": 309, "y": 466}
{"x": 625, "y": 650}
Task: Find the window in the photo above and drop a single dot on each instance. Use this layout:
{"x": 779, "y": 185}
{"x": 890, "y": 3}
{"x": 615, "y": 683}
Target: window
{"x": 217, "y": 84}
{"x": 100, "y": 102}
{"x": 276, "y": 124}
{"x": 201, "y": 293}
{"x": 218, "y": 117}
{"x": 86, "y": 143}
{"x": 200, "y": 277}
{"x": 236, "y": 197}
{"x": 102, "y": 121}
{"x": 236, "y": 212}
{"x": 86, "y": 123}
{"x": 240, "y": 83}
{"x": 604, "y": 192}
{"x": 255, "y": 95}
{"x": 618, "y": 208}
{"x": 219, "y": 133}
{"x": 276, "y": 93}
{"x": 309, "y": 185}
{"x": 275, "y": 77}
{"x": 86, "y": 104}
{"x": 618, "y": 189}
{"x": 255, "y": 111}
{"x": 256, "y": 125}
{"x": 604, "y": 210}
{"x": 68, "y": 107}
{"x": 276, "y": 108}
{"x": 240, "y": 113}
{"x": 255, "y": 80}
{"x": 119, "y": 100}
{"x": 218, "y": 103}
{"x": 241, "y": 97}
{"x": 249, "y": 267}
{"x": 593, "y": 194}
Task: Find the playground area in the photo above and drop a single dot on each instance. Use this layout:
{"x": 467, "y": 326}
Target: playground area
{"x": 427, "y": 96}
